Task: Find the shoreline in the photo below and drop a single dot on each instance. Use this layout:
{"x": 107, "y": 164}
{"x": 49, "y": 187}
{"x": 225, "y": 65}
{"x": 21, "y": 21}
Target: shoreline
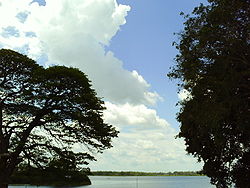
{"x": 144, "y": 175}
{"x": 134, "y": 173}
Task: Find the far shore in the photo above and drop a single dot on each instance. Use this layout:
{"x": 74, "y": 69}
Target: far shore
{"x": 132, "y": 173}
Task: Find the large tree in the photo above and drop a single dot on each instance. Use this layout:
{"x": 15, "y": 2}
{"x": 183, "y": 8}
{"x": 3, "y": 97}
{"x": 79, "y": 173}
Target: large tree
{"x": 44, "y": 113}
{"x": 213, "y": 65}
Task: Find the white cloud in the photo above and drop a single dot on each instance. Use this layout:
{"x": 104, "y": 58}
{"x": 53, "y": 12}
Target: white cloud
{"x": 75, "y": 33}
{"x": 133, "y": 115}
{"x": 10, "y": 17}
{"x": 146, "y": 142}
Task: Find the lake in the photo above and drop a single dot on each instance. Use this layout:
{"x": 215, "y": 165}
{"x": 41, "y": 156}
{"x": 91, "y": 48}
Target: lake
{"x": 143, "y": 182}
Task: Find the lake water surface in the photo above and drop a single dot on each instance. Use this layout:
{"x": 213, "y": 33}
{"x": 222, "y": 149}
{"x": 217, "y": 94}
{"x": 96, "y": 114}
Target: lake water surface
{"x": 143, "y": 182}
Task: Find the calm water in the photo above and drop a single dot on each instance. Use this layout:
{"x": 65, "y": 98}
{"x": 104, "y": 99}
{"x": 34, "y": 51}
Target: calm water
{"x": 143, "y": 182}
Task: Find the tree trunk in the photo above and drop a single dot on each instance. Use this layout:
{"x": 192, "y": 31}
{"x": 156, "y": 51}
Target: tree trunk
{"x": 3, "y": 185}
{"x": 4, "y": 179}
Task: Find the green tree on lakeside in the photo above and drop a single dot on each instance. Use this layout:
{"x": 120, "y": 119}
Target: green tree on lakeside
{"x": 44, "y": 112}
{"x": 213, "y": 65}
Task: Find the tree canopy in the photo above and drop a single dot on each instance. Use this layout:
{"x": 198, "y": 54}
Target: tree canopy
{"x": 213, "y": 65}
{"x": 44, "y": 112}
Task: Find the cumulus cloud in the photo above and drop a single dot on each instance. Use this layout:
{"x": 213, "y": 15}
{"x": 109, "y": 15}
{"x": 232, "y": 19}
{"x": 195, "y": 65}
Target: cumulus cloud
{"x": 139, "y": 116}
{"x": 75, "y": 33}
{"x": 146, "y": 142}
{"x": 14, "y": 15}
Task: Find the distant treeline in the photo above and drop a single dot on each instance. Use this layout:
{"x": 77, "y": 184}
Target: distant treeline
{"x": 131, "y": 173}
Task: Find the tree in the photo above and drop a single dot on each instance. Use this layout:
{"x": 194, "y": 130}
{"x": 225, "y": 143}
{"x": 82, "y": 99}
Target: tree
{"x": 59, "y": 172}
{"x": 44, "y": 113}
{"x": 213, "y": 65}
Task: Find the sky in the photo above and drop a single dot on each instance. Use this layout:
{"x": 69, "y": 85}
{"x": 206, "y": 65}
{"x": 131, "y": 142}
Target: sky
{"x": 125, "y": 48}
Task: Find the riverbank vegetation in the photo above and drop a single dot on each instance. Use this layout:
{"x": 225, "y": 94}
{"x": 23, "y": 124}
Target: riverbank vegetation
{"x": 65, "y": 176}
{"x": 131, "y": 173}
{"x": 57, "y": 173}
{"x": 213, "y": 67}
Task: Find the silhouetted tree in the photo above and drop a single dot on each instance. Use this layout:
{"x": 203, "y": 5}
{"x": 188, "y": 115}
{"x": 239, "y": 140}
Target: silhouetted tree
{"x": 45, "y": 112}
{"x": 214, "y": 66}
{"x": 58, "y": 172}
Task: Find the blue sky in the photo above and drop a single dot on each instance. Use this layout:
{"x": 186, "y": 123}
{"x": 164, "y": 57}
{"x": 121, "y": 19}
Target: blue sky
{"x": 144, "y": 43}
{"x": 125, "y": 48}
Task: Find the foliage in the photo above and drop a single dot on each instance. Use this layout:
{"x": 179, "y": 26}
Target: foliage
{"x": 45, "y": 112}
{"x": 213, "y": 65}
{"x": 59, "y": 172}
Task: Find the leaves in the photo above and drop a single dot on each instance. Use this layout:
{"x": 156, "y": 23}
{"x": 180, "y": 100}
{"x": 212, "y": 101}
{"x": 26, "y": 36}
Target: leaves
{"x": 213, "y": 65}
{"x": 45, "y": 112}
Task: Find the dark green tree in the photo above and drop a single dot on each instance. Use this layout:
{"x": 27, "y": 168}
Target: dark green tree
{"x": 44, "y": 113}
{"x": 58, "y": 172}
{"x": 213, "y": 64}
